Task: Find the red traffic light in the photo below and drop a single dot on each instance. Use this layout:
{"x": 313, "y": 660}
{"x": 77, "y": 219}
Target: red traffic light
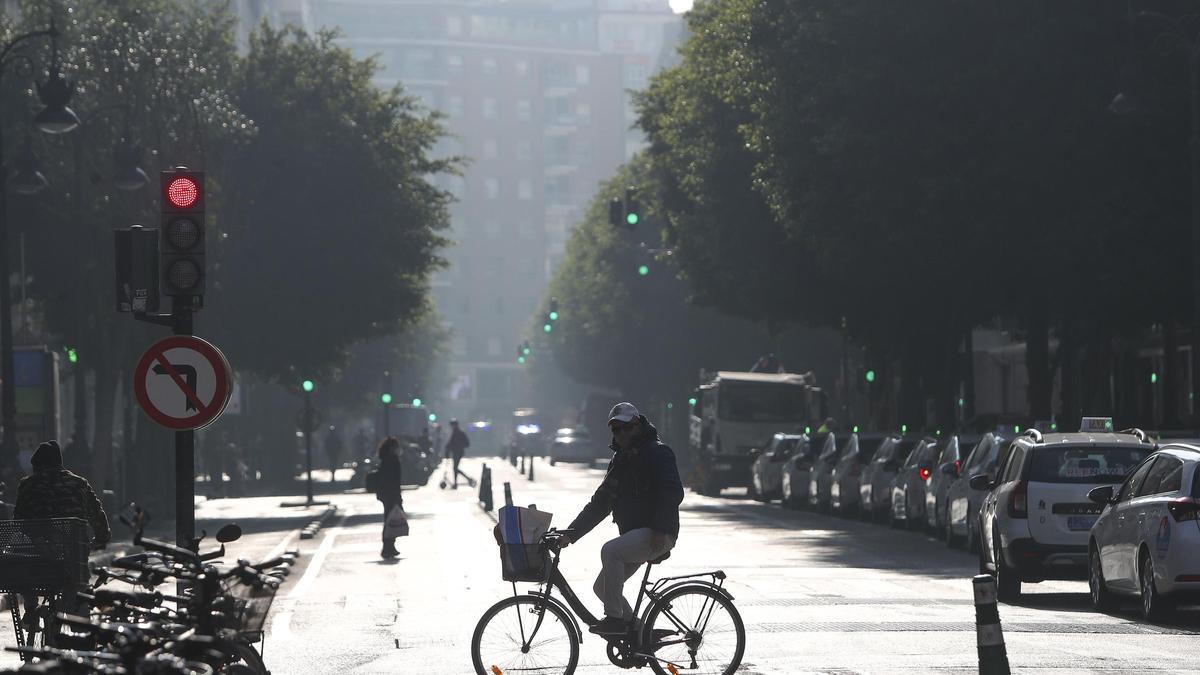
{"x": 182, "y": 192}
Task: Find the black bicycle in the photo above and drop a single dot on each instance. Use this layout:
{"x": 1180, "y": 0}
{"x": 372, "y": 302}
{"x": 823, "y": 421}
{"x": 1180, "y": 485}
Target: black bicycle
{"x": 689, "y": 624}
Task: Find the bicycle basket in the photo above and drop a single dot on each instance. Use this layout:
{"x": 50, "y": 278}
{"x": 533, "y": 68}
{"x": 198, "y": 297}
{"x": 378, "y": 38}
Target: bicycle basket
{"x": 253, "y": 604}
{"x": 524, "y": 562}
{"x": 47, "y": 554}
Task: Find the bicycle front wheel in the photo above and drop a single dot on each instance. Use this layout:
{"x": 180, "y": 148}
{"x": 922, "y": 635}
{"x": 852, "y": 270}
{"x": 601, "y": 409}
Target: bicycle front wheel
{"x": 697, "y": 629}
{"x": 523, "y": 634}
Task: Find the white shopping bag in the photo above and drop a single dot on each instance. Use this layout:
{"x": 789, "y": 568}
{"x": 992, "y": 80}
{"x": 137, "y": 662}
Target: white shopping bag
{"x": 396, "y": 524}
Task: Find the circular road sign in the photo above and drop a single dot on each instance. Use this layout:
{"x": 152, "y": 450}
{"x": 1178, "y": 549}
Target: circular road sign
{"x": 183, "y": 382}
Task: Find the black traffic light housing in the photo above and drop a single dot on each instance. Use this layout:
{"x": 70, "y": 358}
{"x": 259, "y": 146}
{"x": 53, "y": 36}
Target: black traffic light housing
{"x": 626, "y": 213}
{"x": 137, "y": 274}
{"x": 616, "y": 212}
{"x": 181, "y": 244}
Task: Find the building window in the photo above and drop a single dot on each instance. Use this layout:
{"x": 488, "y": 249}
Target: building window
{"x": 583, "y": 74}
{"x": 522, "y": 68}
{"x": 489, "y": 149}
{"x": 583, "y": 113}
{"x": 524, "y": 150}
{"x": 491, "y": 187}
{"x": 524, "y": 110}
{"x": 489, "y": 66}
{"x": 490, "y": 108}
{"x": 454, "y": 106}
{"x": 524, "y": 189}
{"x": 493, "y": 346}
{"x": 454, "y": 64}
{"x": 454, "y": 25}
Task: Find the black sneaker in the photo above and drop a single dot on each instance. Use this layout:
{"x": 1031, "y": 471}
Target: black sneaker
{"x": 610, "y": 625}
{"x": 389, "y": 552}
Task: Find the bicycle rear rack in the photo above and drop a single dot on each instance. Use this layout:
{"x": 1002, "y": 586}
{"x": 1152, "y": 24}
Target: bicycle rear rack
{"x": 718, "y": 580}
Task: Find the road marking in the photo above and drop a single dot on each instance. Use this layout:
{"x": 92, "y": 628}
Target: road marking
{"x": 314, "y": 567}
{"x": 281, "y": 547}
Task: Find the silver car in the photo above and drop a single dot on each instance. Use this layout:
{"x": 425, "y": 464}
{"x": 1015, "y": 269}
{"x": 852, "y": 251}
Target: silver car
{"x": 945, "y": 471}
{"x": 766, "y": 474}
{"x": 797, "y": 469}
{"x": 574, "y": 444}
{"x": 1146, "y": 542}
{"x": 844, "y": 495}
{"x": 908, "y": 490}
{"x": 963, "y": 499}
{"x": 875, "y": 485}
{"x": 820, "y": 481}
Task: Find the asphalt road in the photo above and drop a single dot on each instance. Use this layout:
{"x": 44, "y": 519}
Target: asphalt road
{"x": 817, "y": 593}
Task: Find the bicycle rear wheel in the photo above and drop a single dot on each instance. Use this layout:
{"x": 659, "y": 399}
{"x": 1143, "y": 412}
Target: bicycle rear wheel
{"x": 498, "y": 645}
{"x": 698, "y": 629}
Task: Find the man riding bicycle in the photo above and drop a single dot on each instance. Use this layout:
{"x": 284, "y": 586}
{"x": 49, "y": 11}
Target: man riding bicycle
{"x": 642, "y": 491}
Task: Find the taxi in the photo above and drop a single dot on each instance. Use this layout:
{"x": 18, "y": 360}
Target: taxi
{"x": 1146, "y": 543}
{"x": 1035, "y": 521}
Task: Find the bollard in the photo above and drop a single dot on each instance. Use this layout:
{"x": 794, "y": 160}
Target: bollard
{"x": 507, "y": 494}
{"x": 531, "y": 469}
{"x": 993, "y": 657}
{"x": 512, "y": 458}
{"x": 522, "y": 463}
{"x": 485, "y": 489}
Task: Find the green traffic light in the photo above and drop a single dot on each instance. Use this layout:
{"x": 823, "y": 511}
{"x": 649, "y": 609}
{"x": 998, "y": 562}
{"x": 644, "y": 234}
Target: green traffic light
{"x": 432, "y": 417}
{"x": 554, "y": 316}
{"x": 632, "y": 218}
{"x": 525, "y": 351}
{"x": 808, "y": 430}
{"x": 307, "y": 386}
{"x": 1153, "y": 378}
{"x": 416, "y": 401}
{"x": 643, "y": 270}
{"x": 72, "y": 355}
{"x": 856, "y": 428}
{"x": 691, "y": 401}
{"x": 521, "y": 359}
{"x": 904, "y": 428}
{"x": 385, "y": 399}
{"x": 547, "y": 327}
{"x": 870, "y": 376}
{"x": 962, "y": 402}
{"x": 670, "y": 406}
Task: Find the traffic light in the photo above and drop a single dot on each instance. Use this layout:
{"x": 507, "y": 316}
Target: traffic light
{"x": 386, "y": 399}
{"x": 182, "y": 234}
{"x": 416, "y": 400}
{"x": 547, "y": 323}
{"x": 643, "y": 270}
{"x": 869, "y": 376}
{"x": 616, "y": 212}
{"x": 308, "y": 386}
{"x": 525, "y": 349}
{"x": 553, "y": 309}
{"x": 72, "y": 355}
{"x": 633, "y": 213}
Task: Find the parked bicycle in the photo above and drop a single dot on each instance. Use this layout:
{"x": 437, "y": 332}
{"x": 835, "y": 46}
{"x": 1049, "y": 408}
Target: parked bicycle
{"x": 689, "y": 623}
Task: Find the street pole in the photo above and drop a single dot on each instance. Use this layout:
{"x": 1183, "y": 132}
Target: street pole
{"x": 308, "y": 424}
{"x": 1194, "y": 146}
{"x": 185, "y": 447}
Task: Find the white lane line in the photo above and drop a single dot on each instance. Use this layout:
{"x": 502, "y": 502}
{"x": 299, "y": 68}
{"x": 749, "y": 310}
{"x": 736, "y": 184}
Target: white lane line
{"x": 283, "y": 544}
{"x": 314, "y": 567}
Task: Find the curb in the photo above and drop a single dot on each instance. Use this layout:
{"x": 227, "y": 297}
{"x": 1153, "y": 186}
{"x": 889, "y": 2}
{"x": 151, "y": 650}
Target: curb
{"x": 310, "y": 530}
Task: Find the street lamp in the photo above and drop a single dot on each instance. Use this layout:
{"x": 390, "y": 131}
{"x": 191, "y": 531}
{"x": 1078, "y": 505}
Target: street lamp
{"x": 27, "y": 179}
{"x": 55, "y": 118}
{"x": 1177, "y": 37}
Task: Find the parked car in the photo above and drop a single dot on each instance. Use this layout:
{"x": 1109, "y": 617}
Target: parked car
{"x": 574, "y": 444}
{"x": 1036, "y": 520}
{"x": 1146, "y": 542}
{"x": 908, "y": 489}
{"x": 844, "y": 495}
{"x": 820, "y": 481}
{"x": 946, "y": 469}
{"x": 766, "y": 479}
{"x": 875, "y": 484}
{"x": 797, "y": 469}
{"x": 964, "y": 500}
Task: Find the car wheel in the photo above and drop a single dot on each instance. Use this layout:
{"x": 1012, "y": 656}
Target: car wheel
{"x": 952, "y": 541}
{"x": 911, "y": 522}
{"x": 552, "y": 461}
{"x": 1155, "y": 606}
{"x": 1008, "y": 584}
{"x": 1103, "y": 600}
{"x": 972, "y": 539}
{"x": 785, "y": 489}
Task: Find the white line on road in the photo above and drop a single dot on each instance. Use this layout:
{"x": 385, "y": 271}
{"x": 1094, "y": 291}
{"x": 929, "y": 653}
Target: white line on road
{"x": 314, "y": 567}
{"x": 281, "y": 547}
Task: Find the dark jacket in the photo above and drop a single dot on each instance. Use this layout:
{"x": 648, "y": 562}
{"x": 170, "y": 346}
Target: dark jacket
{"x": 54, "y": 492}
{"x": 390, "y": 480}
{"x": 458, "y": 443}
{"x": 641, "y": 489}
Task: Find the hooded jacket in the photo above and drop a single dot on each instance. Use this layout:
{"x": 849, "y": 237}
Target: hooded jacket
{"x": 641, "y": 489}
{"x": 53, "y": 492}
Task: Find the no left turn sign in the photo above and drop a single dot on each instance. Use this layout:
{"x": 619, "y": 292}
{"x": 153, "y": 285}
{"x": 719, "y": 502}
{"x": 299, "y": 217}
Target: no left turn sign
{"x": 183, "y": 382}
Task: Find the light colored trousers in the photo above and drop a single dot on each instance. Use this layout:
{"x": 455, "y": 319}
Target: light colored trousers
{"x": 621, "y": 558}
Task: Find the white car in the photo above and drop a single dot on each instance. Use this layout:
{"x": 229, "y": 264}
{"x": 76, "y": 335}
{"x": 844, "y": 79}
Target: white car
{"x": 574, "y": 444}
{"x": 1146, "y": 542}
{"x": 844, "y": 494}
{"x": 1036, "y": 519}
{"x": 797, "y": 469}
{"x": 766, "y": 474}
{"x": 965, "y": 500}
{"x": 820, "y": 478}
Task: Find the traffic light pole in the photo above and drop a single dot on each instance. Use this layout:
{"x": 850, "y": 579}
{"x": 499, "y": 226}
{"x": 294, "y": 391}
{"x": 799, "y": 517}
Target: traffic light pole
{"x": 308, "y": 424}
{"x": 185, "y": 451}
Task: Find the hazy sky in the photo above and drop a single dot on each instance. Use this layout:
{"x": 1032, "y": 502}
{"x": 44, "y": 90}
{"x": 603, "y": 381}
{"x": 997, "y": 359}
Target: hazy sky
{"x": 681, "y": 5}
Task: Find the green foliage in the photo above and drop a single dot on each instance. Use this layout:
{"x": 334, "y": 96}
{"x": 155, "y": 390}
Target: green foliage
{"x": 332, "y": 222}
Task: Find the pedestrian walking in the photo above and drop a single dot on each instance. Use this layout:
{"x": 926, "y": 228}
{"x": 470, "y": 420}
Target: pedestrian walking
{"x": 334, "y": 447}
{"x": 52, "y": 491}
{"x": 642, "y": 491}
{"x": 388, "y": 490}
{"x": 456, "y": 447}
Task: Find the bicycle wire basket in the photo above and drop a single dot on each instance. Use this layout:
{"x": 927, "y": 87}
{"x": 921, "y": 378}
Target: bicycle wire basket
{"x": 49, "y": 555}
{"x": 253, "y": 603}
{"x": 524, "y": 562}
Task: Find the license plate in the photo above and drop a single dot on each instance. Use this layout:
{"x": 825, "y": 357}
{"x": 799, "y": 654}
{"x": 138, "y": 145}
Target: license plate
{"x": 722, "y": 467}
{"x": 1080, "y": 522}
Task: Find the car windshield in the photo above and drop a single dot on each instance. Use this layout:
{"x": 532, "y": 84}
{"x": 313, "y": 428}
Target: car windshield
{"x": 867, "y": 447}
{"x": 762, "y": 403}
{"x": 1084, "y": 464}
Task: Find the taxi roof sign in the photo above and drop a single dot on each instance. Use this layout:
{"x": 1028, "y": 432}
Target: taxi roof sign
{"x": 1097, "y": 424}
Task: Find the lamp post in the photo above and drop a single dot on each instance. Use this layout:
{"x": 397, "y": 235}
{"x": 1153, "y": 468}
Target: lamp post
{"x": 55, "y": 118}
{"x": 1177, "y": 37}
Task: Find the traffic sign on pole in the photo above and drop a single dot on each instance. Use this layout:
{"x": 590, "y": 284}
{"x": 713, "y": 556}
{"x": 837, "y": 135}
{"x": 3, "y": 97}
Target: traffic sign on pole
{"x": 183, "y": 382}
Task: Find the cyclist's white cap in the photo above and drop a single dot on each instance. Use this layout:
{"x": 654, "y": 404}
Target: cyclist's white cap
{"x": 623, "y": 412}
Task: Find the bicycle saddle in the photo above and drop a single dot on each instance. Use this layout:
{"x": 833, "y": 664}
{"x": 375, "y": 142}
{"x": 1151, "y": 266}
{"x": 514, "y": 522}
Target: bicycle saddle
{"x": 661, "y": 558}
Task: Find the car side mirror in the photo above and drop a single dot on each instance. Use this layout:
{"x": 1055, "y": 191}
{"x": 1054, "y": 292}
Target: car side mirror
{"x": 981, "y": 482}
{"x": 1101, "y": 495}
{"x": 949, "y": 469}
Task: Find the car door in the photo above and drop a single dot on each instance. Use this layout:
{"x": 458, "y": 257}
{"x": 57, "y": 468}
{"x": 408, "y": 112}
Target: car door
{"x": 1149, "y": 507}
{"x": 990, "y": 511}
{"x": 1115, "y": 540}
